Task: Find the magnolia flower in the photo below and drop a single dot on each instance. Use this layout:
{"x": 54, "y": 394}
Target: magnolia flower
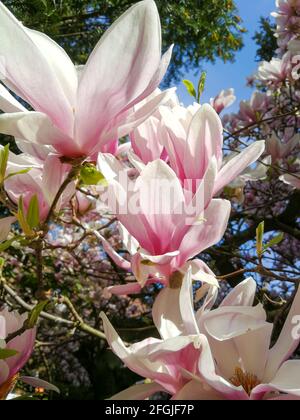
{"x": 42, "y": 179}
{"x": 287, "y": 18}
{"x": 291, "y": 179}
{"x": 162, "y": 360}
{"x": 287, "y": 8}
{"x": 170, "y": 224}
{"x": 223, "y": 100}
{"x": 81, "y": 111}
{"x": 192, "y": 137}
{"x": 237, "y": 361}
{"x": 5, "y": 227}
{"x": 257, "y": 172}
{"x": 279, "y": 150}
{"x": 275, "y": 72}
{"x": 146, "y": 139}
{"x": 170, "y": 361}
{"x": 294, "y": 46}
{"x": 192, "y": 145}
{"x": 252, "y": 111}
{"x": 231, "y": 357}
{"x": 11, "y": 322}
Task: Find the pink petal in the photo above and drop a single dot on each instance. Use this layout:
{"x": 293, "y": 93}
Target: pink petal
{"x": 203, "y": 236}
{"x": 8, "y": 103}
{"x": 138, "y": 392}
{"x": 166, "y": 314}
{"x": 241, "y": 295}
{"x": 33, "y": 60}
{"x": 287, "y": 341}
{"x": 205, "y": 140}
{"x": 133, "y": 40}
{"x": 237, "y": 165}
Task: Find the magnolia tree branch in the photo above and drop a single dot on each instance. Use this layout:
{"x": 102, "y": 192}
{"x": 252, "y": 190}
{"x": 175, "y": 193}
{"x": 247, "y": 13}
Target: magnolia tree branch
{"x": 76, "y": 165}
{"x": 263, "y": 121}
{"x": 77, "y": 324}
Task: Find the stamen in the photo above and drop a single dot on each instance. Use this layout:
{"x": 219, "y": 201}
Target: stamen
{"x": 247, "y": 380}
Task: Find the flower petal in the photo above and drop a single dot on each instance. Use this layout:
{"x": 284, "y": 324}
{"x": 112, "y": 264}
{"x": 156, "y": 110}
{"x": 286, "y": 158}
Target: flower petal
{"x": 28, "y": 64}
{"x": 39, "y": 383}
{"x": 166, "y": 313}
{"x": 241, "y": 295}
{"x": 287, "y": 341}
{"x": 36, "y": 127}
{"x": 205, "y": 140}
{"x": 196, "y": 391}
{"x": 133, "y": 40}
{"x": 8, "y": 103}
{"x": 186, "y": 303}
{"x": 138, "y": 392}
{"x": 286, "y": 380}
{"x": 5, "y": 226}
{"x": 237, "y": 165}
{"x": 209, "y": 232}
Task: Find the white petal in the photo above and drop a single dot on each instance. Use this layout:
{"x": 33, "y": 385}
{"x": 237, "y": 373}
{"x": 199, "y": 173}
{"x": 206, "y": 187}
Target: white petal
{"x": 138, "y": 392}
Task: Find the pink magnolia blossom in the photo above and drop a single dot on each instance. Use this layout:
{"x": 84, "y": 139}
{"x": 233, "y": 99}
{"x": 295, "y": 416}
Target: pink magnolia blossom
{"x": 79, "y": 111}
{"x": 252, "y": 111}
{"x": 275, "y": 72}
{"x": 170, "y": 361}
{"x": 231, "y": 344}
{"x": 11, "y": 322}
{"x": 237, "y": 361}
{"x": 192, "y": 137}
{"x": 223, "y": 100}
{"x": 279, "y": 150}
{"x": 42, "y": 180}
{"x": 193, "y": 144}
{"x": 146, "y": 139}
{"x": 287, "y": 18}
{"x": 5, "y": 227}
{"x": 157, "y": 199}
{"x": 291, "y": 179}
{"x": 162, "y": 360}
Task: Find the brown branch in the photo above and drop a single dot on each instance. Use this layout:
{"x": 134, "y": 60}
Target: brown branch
{"x": 70, "y": 177}
{"x": 79, "y": 323}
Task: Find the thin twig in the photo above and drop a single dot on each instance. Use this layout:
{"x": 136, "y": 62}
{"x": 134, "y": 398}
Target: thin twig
{"x": 79, "y": 323}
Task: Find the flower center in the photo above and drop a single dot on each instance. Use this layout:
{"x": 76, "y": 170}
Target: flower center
{"x": 247, "y": 380}
{"x": 175, "y": 281}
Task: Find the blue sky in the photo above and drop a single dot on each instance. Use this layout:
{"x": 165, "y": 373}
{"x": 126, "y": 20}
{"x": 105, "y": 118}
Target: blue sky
{"x": 222, "y": 76}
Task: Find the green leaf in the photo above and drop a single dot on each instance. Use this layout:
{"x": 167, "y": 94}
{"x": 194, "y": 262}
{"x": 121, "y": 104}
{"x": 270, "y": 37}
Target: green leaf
{"x": 5, "y": 245}
{"x": 23, "y": 171}
{"x": 6, "y": 353}
{"x": 33, "y": 213}
{"x": 274, "y": 241}
{"x": 89, "y": 175}
{"x": 259, "y": 238}
{"x": 190, "y": 88}
{"x": 35, "y": 313}
{"x": 2, "y": 262}
{"x": 4, "y": 154}
{"x": 201, "y": 85}
{"x": 22, "y": 219}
